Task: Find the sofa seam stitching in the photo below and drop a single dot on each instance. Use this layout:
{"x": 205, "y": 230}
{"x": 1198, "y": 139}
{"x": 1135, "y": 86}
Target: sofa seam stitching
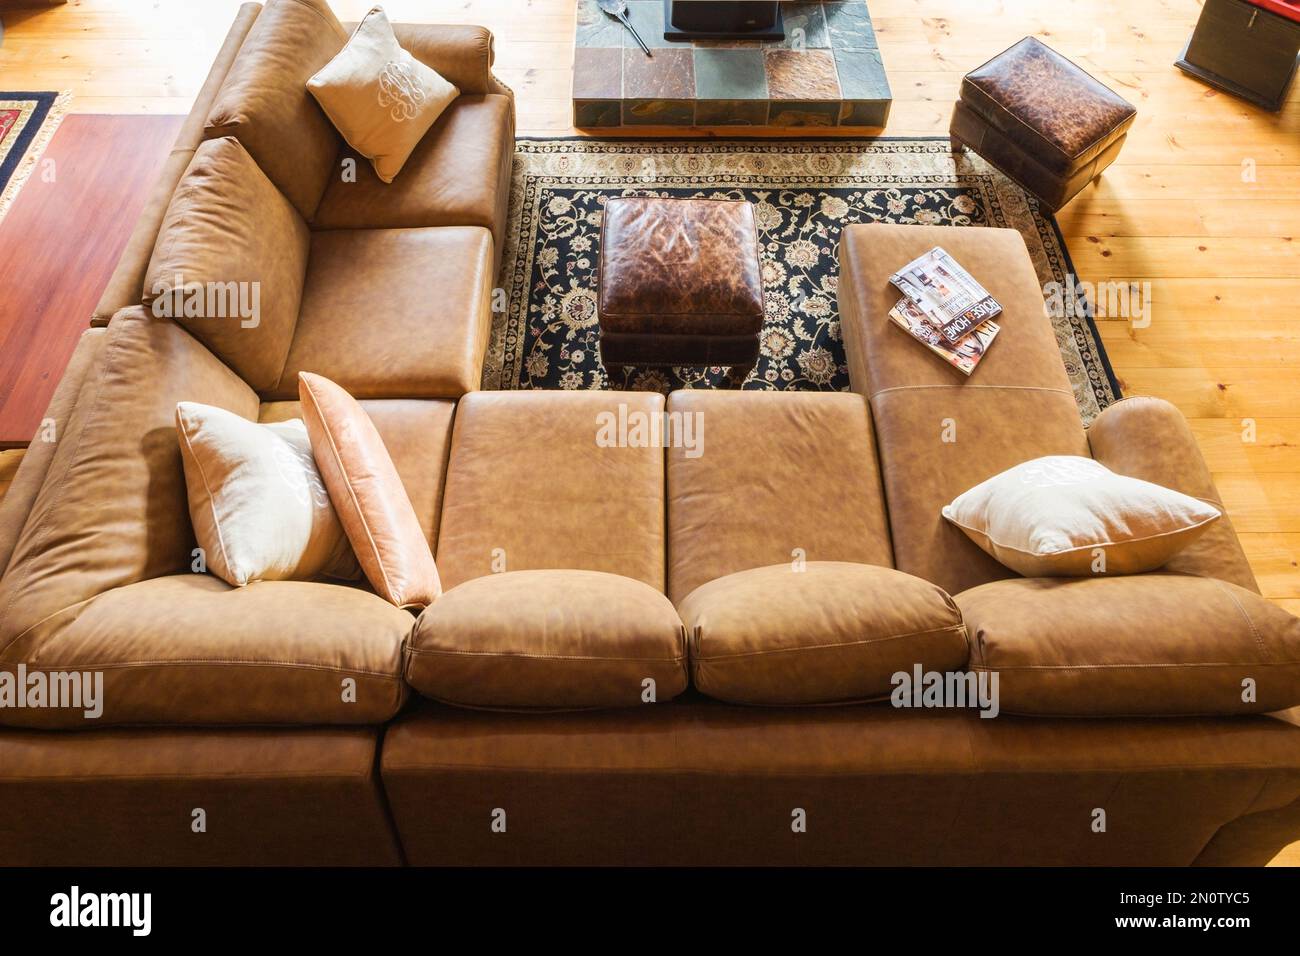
{"x": 970, "y": 386}
{"x": 951, "y": 628}
{"x": 436, "y": 652}
{"x": 1131, "y": 666}
{"x": 1259, "y": 639}
{"x": 233, "y": 661}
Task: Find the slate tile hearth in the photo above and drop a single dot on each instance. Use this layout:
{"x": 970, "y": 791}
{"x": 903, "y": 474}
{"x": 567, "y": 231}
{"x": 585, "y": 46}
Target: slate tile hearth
{"x": 826, "y": 72}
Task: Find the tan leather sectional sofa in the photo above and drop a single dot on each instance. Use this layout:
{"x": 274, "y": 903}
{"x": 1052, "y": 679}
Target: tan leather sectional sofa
{"x": 507, "y": 723}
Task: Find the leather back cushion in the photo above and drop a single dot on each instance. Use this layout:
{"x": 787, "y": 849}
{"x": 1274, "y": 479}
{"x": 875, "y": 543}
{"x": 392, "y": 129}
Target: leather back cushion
{"x": 265, "y": 104}
{"x": 240, "y": 252}
{"x": 940, "y": 433}
{"x": 775, "y": 474}
{"x": 540, "y": 480}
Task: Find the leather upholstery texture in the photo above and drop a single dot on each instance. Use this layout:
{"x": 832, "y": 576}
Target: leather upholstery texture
{"x": 359, "y": 281}
{"x": 35, "y": 465}
{"x": 462, "y": 53}
{"x": 264, "y": 102}
{"x": 824, "y": 632}
{"x": 1148, "y": 438}
{"x": 1053, "y": 189}
{"x": 417, "y": 435}
{"x": 228, "y": 230}
{"x": 939, "y": 432}
{"x": 1041, "y": 119}
{"x": 272, "y": 797}
{"x": 701, "y": 782}
{"x": 679, "y": 266}
{"x": 123, "y": 289}
{"x": 189, "y": 649}
{"x": 1046, "y": 105}
{"x": 1148, "y": 644}
{"x": 529, "y": 487}
{"x": 571, "y": 543}
{"x": 559, "y": 639}
{"x": 368, "y": 496}
{"x": 113, "y": 509}
{"x": 764, "y": 484}
{"x": 458, "y": 175}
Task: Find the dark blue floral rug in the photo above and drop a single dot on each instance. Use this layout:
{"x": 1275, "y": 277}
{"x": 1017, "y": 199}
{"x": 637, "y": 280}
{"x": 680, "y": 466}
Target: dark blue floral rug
{"x": 804, "y": 193}
{"x": 27, "y": 121}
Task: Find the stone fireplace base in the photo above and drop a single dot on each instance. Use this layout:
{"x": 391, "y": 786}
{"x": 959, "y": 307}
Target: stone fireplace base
{"x": 826, "y": 72}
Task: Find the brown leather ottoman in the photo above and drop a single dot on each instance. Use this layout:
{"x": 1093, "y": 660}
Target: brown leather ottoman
{"x": 679, "y": 284}
{"x": 1041, "y": 120}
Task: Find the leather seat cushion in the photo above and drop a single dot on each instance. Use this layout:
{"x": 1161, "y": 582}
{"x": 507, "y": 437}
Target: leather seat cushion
{"x": 457, "y": 176}
{"x": 1046, "y": 105}
{"x": 1151, "y": 644}
{"x": 548, "y": 639}
{"x": 831, "y": 631}
{"x": 190, "y": 649}
{"x": 366, "y": 325}
{"x": 679, "y": 266}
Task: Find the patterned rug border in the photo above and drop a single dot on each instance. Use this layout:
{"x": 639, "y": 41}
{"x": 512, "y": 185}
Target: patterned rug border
{"x": 22, "y": 155}
{"x": 1104, "y": 392}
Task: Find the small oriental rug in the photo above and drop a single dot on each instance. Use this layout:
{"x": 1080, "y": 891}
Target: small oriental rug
{"x": 27, "y": 121}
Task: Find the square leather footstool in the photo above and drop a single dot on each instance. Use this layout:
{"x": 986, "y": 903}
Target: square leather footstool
{"x": 679, "y": 284}
{"x": 1041, "y": 120}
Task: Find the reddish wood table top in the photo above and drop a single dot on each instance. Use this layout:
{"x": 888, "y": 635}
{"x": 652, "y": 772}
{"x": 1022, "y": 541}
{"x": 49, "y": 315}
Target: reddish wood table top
{"x": 59, "y": 244}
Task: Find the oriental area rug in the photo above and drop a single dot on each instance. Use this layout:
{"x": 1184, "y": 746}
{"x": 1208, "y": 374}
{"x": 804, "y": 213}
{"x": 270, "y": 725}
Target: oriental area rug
{"x": 805, "y": 192}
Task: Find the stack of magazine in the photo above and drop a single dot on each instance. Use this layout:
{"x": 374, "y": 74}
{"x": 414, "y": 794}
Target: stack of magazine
{"x": 945, "y": 309}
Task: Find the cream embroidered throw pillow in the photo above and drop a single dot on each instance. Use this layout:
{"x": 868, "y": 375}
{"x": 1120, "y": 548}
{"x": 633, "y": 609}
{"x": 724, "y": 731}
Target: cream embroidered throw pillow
{"x": 1065, "y": 515}
{"x": 259, "y": 506}
{"x": 381, "y": 99}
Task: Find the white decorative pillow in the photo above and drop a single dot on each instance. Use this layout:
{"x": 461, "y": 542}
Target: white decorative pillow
{"x": 381, "y": 99}
{"x": 259, "y": 507}
{"x": 1069, "y": 516}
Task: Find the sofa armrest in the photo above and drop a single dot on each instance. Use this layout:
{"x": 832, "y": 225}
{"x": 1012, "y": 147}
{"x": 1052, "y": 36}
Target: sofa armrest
{"x": 1148, "y": 438}
{"x": 21, "y": 494}
{"x": 463, "y": 55}
{"x": 127, "y": 282}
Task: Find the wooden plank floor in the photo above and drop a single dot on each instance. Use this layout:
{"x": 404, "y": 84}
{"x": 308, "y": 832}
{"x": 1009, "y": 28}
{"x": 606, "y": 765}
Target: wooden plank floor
{"x": 1204, "y": 202}
{"x": 59, "y": 244}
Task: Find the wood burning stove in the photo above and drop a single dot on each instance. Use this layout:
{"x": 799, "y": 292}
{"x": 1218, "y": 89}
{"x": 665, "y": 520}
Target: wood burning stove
{"x": 723, "y": 20}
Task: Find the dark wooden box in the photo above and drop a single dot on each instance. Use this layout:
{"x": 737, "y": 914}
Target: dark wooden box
{"x": 1245, "y": 50}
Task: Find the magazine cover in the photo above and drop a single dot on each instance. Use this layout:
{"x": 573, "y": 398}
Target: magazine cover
{"x": 963, "y": 356}
{"x": 947, "y": 295}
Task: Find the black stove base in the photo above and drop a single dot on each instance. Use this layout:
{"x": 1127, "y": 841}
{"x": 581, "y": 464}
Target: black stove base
{"x": 759, "y": 20}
